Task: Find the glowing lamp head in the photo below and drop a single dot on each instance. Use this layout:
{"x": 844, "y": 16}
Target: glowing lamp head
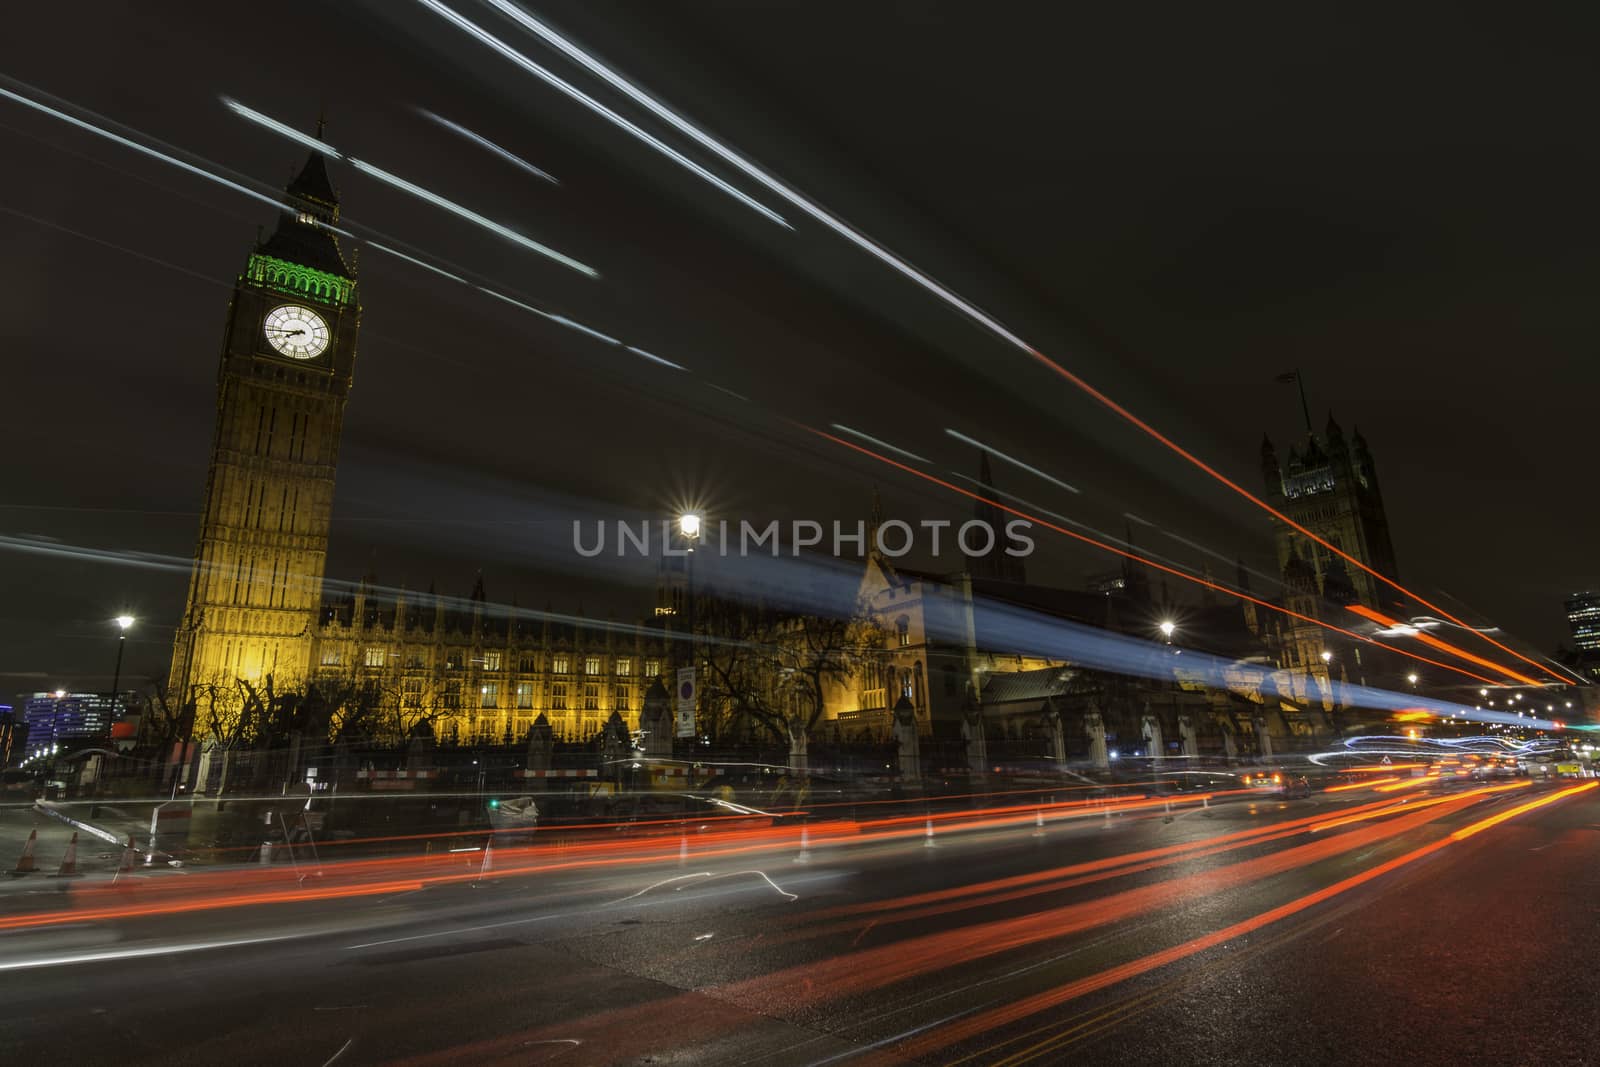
{"x": 60, "y": 693}
{"x": 123, "y": 622}
{"x": 1412, "y": 678}
{"x": 1327, "y": 657}
{"x": 689, "y": 524}
{"x": 1167, "y": 627}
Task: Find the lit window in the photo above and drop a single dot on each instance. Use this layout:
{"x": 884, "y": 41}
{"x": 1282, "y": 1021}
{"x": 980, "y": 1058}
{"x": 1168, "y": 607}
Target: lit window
{"x": 624, "y": 667}
{"x": 491, "y": 661}
{"x": 591, "y": 698}
{"x": 559, "y": 665}
{"x": 652, "y": 668}
{"x": 331, "y": 657}
{"x": 591, "y": 665}
{"x": 903, "y": 628}
{"x": 558, "y": 696}
{"x": 490, "y": 694}
{"x": 374, "y": 656}
{"x": 524, "y": 694}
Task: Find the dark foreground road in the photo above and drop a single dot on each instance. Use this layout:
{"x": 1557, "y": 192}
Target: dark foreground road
{"x": 1357, "y": 928}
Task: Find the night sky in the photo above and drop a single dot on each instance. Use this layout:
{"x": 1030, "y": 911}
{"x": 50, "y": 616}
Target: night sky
{"x": 1178, "y": 204}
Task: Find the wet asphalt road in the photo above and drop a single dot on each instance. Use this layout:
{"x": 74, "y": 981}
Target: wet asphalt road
{"x": 993, "y": 947}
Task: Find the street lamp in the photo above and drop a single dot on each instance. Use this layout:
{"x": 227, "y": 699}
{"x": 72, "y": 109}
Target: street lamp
{"x": 1412, "y": 678}
{"x": 1327, "y": 657}
{"x": 124, "y": 623}
{"x": 689, "y": 527}
{"x": 1167, "y": 627}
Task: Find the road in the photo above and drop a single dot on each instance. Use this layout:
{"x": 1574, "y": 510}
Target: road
{"x": 1358, "y": 927}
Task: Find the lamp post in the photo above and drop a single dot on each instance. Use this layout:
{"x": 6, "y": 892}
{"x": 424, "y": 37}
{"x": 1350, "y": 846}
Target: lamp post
{"x": 124, "y": 622}
{"x": 689, "y": 528}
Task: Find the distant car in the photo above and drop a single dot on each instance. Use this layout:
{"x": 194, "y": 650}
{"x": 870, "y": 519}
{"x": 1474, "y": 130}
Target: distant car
{"x": 1266, "y": 781}
{"x": 1278, "y": 783}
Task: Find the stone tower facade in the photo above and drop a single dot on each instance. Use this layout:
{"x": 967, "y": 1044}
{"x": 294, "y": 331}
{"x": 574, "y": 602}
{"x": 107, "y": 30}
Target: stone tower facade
{"x": 1330, "y": 486}
{"x": 288, "y": 356}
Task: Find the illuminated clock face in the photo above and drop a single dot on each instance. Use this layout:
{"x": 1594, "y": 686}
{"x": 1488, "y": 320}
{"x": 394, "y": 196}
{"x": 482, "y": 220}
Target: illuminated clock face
{"x": 296, "y": 332}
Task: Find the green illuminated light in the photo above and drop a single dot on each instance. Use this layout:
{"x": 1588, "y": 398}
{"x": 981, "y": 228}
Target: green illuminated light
{"x": 286, "y": 277}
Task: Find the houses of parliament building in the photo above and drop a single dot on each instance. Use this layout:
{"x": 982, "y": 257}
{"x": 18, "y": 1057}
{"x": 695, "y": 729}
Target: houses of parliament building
{"x": 257, "y": 608}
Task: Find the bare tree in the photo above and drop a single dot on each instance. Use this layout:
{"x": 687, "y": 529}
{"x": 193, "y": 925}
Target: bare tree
{"x": 774, "y": 668}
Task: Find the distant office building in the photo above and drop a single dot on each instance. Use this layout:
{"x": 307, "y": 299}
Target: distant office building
{"x": 8, "y": 734}
{"x": 1583, "y": 615}
{"x": 51, "y": 718}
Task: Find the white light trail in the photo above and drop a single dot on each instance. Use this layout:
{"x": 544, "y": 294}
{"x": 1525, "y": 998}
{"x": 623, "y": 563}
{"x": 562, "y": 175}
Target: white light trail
{"x": 279, "y": 128}
{"x": 655, "y": 358}
{"x": 730, "y": 392}
{"x": 487, "y": 38}
{"x": 418, "y": 262}
{"x": 1056, "y": 515}
{"x": 484, "y": 142}
{"x": 881, "y": 444}
{"x": 561, "y": 319}
{"x": 142, "y": 149}
{"x": 471, "y": 216}
{"x": 414, "y": 189}
{"x": 705, "y": 140}
{"x": 1035, "y": 471}
{"x": 112, "y": 955}
{"x": 722, "y": 151}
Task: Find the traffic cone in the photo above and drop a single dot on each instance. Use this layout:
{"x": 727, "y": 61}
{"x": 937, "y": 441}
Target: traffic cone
{"x": 25, "y": 861}
{"x": 69, "y": 859}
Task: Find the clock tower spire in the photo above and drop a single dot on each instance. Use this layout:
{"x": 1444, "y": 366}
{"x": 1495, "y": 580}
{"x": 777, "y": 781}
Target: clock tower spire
{"x": 287, "y": 362}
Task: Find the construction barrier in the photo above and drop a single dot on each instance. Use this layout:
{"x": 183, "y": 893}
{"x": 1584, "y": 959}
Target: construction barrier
{"x": 558, "y": 774}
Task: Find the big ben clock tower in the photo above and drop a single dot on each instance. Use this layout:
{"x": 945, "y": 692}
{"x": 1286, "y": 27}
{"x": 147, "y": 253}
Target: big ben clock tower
{"x": 288, "y": 354}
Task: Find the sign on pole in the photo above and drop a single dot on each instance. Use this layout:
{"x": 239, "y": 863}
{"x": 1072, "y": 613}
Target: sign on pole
{"x": 686, "y": 695}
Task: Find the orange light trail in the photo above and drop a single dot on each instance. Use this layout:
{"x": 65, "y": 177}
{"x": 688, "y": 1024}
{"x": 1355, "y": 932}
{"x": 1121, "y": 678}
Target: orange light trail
{"x": 1443, "y": 646}
{"x": 1478, "y": 827}
{"x": 928, "y": 1045}
{"x": 1358, "y": 785}
{"x": 1175, "y": 572}
{"x": 1408, "y": 783}
{"x": 1404, "y": 805}
{"x": 1196, "y": 461}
